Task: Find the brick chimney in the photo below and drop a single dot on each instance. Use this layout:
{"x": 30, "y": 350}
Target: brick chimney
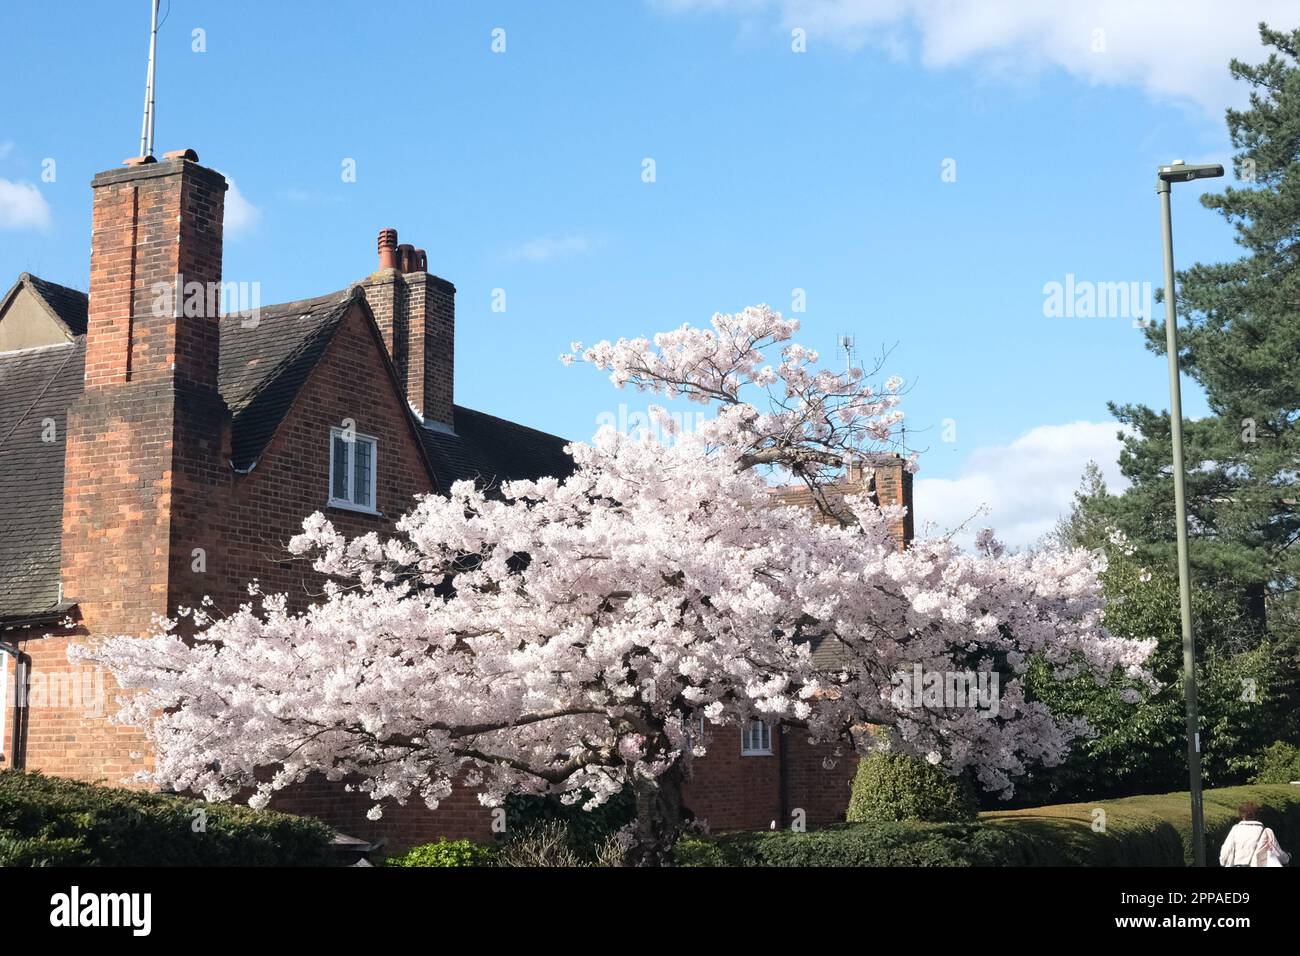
{"x": 148, "y": 441}
{"x": 416, "y": 313}
{"x": 891, "y": 484}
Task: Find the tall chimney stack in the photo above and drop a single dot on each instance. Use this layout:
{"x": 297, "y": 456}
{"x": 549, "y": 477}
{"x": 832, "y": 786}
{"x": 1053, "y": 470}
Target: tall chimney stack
{"x": 145, "y": 440}
{"x": 416, "y": 314}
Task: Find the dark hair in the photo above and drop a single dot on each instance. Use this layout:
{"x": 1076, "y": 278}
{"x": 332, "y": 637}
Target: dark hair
{"x": 1248, "y": 811}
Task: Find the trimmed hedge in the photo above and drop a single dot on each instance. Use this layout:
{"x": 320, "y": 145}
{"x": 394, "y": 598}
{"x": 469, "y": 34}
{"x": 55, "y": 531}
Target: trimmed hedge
{"x": 1135, "y": 831}
{"x": 894, "y": 786}
{"x": 48, "y": 821}
{"x": 1153, "y": 830}
{"x": 851, "y": 844}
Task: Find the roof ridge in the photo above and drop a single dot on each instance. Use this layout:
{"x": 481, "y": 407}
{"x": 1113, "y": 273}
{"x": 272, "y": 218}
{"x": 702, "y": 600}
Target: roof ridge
{"x": 512, "y": 424}
{"x": 337, "y": 297}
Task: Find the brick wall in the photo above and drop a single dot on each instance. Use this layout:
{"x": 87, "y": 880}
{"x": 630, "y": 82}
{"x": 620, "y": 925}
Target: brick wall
{"x": 266, "y": 507}
{"x": 734, "y": 791}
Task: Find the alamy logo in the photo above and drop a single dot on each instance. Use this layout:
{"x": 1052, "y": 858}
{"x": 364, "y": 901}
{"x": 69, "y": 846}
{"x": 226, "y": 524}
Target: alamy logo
{"x": 1082, "y": 299}
{"x": 198, "y": 300}
{"x": 947, "y": 690}
{"x": 73, "y": 909}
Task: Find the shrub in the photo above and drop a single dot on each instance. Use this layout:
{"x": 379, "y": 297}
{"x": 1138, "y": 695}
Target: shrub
{"x": 551, "y": 843}
{"x": 1279, "y": 763}
{"x": 1153, "y": 830}
{"x": 446, "y": 853}
{"x": 589, "y": 831}
{"x": 1135, "y": 831}
{"x": 893, "y": 787}
{"x": 47, "y": 821}
{"x": 855, "y": 844}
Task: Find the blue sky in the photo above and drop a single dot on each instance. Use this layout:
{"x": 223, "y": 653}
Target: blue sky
{"x": 775, "y": 170}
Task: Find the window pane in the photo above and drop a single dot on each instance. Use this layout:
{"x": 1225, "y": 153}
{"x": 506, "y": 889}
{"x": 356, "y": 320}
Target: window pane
{"x": 362, "y": 450}
{"x": 339, "y": 490}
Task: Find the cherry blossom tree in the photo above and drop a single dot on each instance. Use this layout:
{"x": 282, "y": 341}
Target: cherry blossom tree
{"x": 583, "y": 634}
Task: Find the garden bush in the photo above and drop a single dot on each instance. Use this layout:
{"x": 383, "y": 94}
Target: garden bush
{"x": 550, "y": 843}
{"x": 1150, "y": 830}
{"x": 588, "y": 832}
{"x": 48, "y": 821}
{"x": 1279, "y": 763}
{"x": 854, "y": 844}
{"x": 893, "y": 787}
{"x": 446, "y": 853}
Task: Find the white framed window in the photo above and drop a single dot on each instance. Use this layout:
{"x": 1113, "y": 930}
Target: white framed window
{"x": 352, "y": 470}
{"x": 756, "y": 739}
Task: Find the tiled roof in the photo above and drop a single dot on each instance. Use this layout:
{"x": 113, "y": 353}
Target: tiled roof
{"x": 264, "y": 361}
{"x": 492, "y": 450}
{"x": 36, "y": 387}
{"x": 263, "y": 364}
{"x": 69, "y": 305}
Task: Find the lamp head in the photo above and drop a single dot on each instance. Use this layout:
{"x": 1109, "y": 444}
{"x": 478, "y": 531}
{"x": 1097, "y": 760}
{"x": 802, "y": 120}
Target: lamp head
{"x": 1180, "y": 172}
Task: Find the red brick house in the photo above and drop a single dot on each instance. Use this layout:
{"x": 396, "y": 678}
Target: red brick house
{"x": 151, "y": 456}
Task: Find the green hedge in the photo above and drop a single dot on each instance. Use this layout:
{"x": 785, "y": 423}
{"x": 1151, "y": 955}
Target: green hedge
{"x": 851, "y": 844}
{"x": 894, "y": 786}
{"x": 1135, "y": 831}
{"x": 48, "y": 821}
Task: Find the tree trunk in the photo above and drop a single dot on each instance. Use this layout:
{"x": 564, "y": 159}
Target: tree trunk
{"x": 658, "y": 818}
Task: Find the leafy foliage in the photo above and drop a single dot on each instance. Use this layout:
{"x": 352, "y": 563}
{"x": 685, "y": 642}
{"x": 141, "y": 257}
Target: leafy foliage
{"x": 1280, "y": 763}
{"x": 1245, "y": 681}
{"x": 446, "y": 853}
{"x": 587, "y": 831}
{"x": 47, "y": 821}
{"x": 1135, "y": 831}
{"x": 1239, "y": 338}
{"x": 893, "y": 786}
{"x": 550, "y": 843}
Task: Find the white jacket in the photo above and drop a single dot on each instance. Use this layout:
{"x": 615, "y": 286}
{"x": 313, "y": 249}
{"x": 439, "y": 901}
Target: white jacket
{"x": 1242, "y": 838}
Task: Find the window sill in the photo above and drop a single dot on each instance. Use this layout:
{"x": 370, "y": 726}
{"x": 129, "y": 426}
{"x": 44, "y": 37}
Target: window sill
{"x": 349, "y": 506}
{"x": 758, "y": 753}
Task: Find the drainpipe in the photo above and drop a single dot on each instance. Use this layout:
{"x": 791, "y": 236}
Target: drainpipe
{"x": 783, "y": 778}
{"x": 21, "y": 661}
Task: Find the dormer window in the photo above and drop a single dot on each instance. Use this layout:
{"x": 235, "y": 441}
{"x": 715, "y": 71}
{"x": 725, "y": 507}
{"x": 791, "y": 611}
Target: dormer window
{"x": 352, "y": 470}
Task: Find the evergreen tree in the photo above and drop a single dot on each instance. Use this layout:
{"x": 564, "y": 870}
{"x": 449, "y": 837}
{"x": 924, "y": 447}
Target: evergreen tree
{"x": 1240, "y": 339}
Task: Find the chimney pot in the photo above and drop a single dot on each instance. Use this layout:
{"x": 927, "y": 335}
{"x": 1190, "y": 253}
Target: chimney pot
{"x": 421, "y": 261}
{"x": 182, "y": 154}
{"x": 405, "y": 255}
{"x": 387, "y": 249}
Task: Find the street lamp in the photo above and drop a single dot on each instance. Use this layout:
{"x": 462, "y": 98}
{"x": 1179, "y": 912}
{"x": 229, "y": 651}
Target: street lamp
{"x": 1180, "y": 172}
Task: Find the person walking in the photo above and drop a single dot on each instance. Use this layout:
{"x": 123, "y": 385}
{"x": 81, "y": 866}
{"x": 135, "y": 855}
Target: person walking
{"x": 1250, "y": 843}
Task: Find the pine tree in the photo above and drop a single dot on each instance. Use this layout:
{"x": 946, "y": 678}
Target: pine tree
{"x": 1240, "y": 339}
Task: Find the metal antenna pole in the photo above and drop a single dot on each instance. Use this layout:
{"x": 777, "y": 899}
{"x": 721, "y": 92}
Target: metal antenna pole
{"x": 146, "y": 126}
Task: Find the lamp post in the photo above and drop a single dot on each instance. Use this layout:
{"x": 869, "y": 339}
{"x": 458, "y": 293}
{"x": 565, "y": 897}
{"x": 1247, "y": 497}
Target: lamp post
{"x": 1180, "y": 172}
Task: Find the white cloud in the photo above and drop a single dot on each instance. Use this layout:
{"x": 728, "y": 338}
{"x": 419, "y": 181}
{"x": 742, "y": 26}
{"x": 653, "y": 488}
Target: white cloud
{"x": 546, "y": 248}
{"x": 1024, "y": 486}
{"x": 1175, "y": 49}
{"x": 241, "y": 215}
{"x": 6, "y": 148}
{"x": 23, "y": 207}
